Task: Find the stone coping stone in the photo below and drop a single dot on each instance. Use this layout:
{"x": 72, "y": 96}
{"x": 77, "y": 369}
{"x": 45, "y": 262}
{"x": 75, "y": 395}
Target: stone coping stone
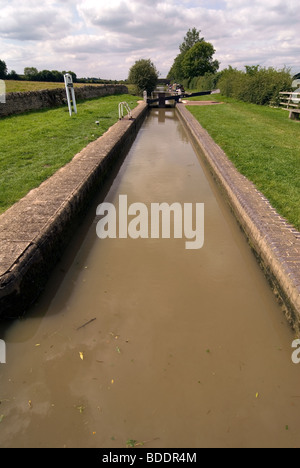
{"x": 274, "y": 241}
{"x": 36, "y": 230}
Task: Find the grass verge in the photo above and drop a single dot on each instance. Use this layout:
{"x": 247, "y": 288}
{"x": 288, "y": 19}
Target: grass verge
{"x": 36, "y": 144}
{"x": 263, "y": 144}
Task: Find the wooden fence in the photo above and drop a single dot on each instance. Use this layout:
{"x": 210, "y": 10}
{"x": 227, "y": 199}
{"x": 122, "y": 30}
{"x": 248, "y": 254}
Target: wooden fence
{"x": 290, "y": 101}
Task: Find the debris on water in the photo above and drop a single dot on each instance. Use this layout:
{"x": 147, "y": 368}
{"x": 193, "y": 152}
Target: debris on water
{"x": 80, "y": 408}
{"x": 131, "y": 443}
{"x": 85, "y": 324}
{"x": 81, "y": 355}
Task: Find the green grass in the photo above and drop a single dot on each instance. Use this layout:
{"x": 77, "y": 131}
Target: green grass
{"x": 36, "y": 144}
{"x": 14, "y": 86}
{"x": 263, "y": 144}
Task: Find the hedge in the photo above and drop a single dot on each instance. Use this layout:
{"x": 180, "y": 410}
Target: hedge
{"x": 257, "y": 85}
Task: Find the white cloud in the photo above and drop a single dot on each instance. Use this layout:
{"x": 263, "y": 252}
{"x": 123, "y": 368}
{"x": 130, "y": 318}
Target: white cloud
{"x": 104, "y": 38}
{"x": 33, "y": 21}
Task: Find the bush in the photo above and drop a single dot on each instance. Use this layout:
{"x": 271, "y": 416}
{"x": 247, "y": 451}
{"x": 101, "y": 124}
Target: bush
{"x": 257, "y": 85}
{"x": 144, "y": 75}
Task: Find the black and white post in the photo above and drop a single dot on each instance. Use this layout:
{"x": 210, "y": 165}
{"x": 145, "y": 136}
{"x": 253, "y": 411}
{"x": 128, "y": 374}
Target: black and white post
{"x": 70, "y": 93}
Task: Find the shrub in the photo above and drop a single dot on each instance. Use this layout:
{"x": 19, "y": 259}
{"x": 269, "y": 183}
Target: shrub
{"x": 144, "y": 75}
{"x": 257, "y": 85}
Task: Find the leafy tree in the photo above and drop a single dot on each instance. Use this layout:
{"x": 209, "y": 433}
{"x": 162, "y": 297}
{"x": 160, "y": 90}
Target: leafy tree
{"x": 192, "y": 38}
{"x": 144, "y": 75}
{"x": 252, "y": 69}
{"x": 30, "y": 73}
{"x": 13, "y": 75}
{"x": 45, "y": 75}
{"x": 176, "y": 72}
{"x": 3, "y": 70}
{"x": 195, "y": 58}
{"x": 199, "y": 60}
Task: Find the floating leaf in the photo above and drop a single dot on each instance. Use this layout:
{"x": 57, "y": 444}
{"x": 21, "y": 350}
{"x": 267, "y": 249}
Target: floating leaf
{"x": 118, "y": 349}
{"x": 81, "y": 355}
{"x": 1, "y": 417}
{"x": 80, "y": 409}
{"x": 257, "y": 395}
{"x": 131, "y": 443}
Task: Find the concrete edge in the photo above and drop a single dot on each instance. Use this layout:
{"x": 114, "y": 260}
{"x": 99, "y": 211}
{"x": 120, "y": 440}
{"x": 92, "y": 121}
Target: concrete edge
{"x": 35, "y": 231}
{"x": 275, "y": 243}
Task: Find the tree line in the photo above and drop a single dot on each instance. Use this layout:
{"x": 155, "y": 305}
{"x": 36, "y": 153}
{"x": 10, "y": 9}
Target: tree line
{"x": 50, "y": 76}
{"x": 195, "y": 59}
{"x": 196, "y": 69}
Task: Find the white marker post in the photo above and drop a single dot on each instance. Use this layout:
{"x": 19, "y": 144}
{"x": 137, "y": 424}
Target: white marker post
{"x": 70, "y": 93}
{"x": 2, "y": 92}
{"x": 2, "y": 352}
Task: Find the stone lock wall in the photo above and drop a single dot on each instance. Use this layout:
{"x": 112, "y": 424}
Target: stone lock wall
{"x": 17, "y": 103}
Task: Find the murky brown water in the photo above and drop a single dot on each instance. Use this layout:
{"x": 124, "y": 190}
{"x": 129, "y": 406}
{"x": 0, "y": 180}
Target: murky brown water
{"x": 188, "y": 349}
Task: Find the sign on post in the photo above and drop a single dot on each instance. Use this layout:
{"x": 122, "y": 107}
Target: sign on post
{"x": 70, "y": 93}
{"x": 2, "y": 92}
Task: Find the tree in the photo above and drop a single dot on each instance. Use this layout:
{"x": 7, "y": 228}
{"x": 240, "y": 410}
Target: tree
{"x": 176, "y": 72}
{"x": 199, "y": 60}
{"x": 3, "y": 70}
{"x": 144, "y": 75}
{"x": 192, "y": 38}
{"x": 13, "y": 75}
{"x": 252, "y": 69}
{"x": 30, "y": 73}
{"x": 195, "y": 58}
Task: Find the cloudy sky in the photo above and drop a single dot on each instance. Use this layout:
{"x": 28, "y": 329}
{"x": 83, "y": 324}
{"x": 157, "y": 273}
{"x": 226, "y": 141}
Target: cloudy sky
{"x": 103, "y": 38}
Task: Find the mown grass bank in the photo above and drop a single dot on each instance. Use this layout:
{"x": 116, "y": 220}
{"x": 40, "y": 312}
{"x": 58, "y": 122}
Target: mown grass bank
{"x": 263, "y": 144}
{"x": 37, "y": 144}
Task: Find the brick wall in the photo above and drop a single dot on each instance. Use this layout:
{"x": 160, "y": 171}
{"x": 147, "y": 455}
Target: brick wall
{"x": 17, "y": 103}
